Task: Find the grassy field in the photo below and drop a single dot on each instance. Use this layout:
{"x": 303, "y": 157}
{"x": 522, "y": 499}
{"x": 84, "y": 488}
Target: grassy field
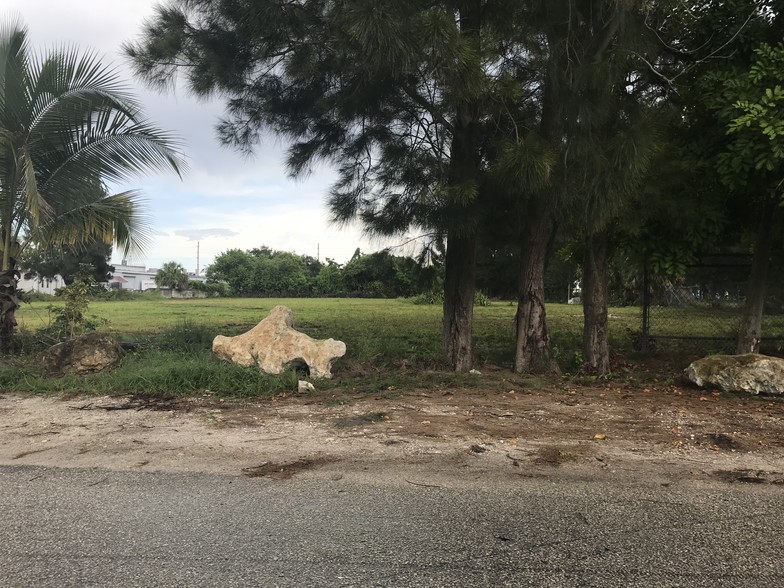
{"x": 375, "y": 330}
{"x": 392, "y": 344}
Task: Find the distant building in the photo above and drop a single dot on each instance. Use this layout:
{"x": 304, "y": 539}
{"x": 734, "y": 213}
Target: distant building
{"x": 124, "y": 277}
{"x": 41, "y": 285}
{"x": 133, "y": 277}
{"x": 138, "y": 277}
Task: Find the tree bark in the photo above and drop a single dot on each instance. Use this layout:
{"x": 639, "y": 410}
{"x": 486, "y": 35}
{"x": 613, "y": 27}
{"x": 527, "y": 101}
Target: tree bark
{"x": 750, "y": 332}
{"x": 460, "y": 215}
{"x": 596, "y": 345}
{"x": 9, "y": 302}
{"x": 532, "y": 347}
{"x": 459, "y": 286}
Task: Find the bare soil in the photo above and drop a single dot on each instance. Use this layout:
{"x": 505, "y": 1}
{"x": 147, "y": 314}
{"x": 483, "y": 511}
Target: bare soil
{"x": 507, "y": 427}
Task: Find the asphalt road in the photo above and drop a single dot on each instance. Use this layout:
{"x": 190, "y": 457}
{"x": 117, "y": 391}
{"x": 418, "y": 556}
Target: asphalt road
{"x": 65, "y": 527}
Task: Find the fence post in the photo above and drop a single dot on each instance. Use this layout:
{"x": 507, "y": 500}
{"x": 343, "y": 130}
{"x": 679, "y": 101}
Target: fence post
{"x": 646, "y": 307}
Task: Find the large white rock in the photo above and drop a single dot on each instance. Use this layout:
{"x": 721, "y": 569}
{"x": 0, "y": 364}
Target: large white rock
{"x": 274, "y": 345}
{"x": 751, "y": 373}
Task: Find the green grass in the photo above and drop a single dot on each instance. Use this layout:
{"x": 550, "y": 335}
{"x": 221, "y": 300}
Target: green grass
{"x": 379, "y": 331}
{"x": 393, "y": 345}
{"x": 153, "y": 373}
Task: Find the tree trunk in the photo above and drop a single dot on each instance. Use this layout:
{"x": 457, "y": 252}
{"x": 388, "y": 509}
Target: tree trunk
{"x": 465, "y": 165}
{"x": 459, "y": 285}
{"x": 750, "y": 332}
{"x": 596, "y": 345}
{"x": 9, "y": 302}
{"x": 532, "y": 347}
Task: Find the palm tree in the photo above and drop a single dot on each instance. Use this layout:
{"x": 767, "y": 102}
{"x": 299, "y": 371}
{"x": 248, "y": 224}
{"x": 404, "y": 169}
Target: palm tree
{"x": 68, "y": 126}
{"x": 172, "y": 275}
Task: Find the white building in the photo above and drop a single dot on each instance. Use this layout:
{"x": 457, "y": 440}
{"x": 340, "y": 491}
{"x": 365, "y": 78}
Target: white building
{"x": 133, "y": 277}
{"x": 124, "y": 277}
{"x": 41, "y": 285}
{"x": 138, "y": 277}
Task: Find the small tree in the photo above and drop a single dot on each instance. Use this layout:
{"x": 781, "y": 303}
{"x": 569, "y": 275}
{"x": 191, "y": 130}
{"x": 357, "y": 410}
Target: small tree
{"x": 172, "y": 275}
{"x": 754, "y": 160}
{"x": 71, "y": 320}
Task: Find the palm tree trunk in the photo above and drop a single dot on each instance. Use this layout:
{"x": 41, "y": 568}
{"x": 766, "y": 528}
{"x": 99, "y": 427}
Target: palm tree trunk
{"x": 596, "y": 345}
{"x": 532, "y": 347}
{"x": 9, "y": 302}
{"x": 750, "y": 332}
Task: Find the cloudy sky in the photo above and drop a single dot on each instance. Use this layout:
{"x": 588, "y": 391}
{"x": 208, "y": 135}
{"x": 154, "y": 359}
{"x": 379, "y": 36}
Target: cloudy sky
{"x": 225, "y": 200}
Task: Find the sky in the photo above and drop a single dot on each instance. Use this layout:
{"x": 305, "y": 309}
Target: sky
{"x": 225, "y": 200}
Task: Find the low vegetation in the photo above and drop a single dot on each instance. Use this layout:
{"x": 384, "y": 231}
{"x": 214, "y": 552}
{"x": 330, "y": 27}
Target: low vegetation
{"x": 392, "y": 345}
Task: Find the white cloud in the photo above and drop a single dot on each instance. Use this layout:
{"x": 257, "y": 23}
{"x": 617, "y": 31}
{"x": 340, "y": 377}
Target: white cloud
{"x": 200, "y": 234}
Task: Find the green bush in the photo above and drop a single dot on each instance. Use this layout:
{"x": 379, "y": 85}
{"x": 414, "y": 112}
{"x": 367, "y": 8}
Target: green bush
{"x": 213, "y": 288}
{"x": 431, "y": 297}
{"x": 437, "y": 297}
{"x": 480, "y": 299}
{"x": 115, "y": 294}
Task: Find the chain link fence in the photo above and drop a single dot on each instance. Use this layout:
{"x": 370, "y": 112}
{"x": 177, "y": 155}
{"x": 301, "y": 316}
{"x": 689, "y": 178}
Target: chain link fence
{"x": 703, "y": 310}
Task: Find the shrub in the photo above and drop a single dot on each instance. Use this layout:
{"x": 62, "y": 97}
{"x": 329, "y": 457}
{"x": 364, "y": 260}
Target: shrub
{"x": 430, "y": 297}
{"x": 481, "y": 299}
{"x": 71, "y": 320}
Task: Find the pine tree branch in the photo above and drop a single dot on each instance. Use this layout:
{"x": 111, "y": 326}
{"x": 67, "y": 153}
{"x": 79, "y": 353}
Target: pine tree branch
{"x": 609, "y": 34}
{"x": 431, "y": 108}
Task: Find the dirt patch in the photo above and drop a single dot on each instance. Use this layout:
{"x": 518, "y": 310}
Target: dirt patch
{"x": 520, "y": 426}
{"x": 747, "y": 476}
{"x": 554, "y": 456}
{"x": 136, "y": 402}
{"x": 361, "y": 420}
{"x": 725, "y": 442}
{"x": 285, "y": 471}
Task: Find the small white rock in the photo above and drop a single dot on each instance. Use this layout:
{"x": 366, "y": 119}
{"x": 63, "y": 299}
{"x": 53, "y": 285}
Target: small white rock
{"x": 304, "y": 386}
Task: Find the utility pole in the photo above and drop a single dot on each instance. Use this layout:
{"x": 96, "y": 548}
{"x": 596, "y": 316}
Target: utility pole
{"x": 198, "y": 243}
{"x": 318, "y": 251}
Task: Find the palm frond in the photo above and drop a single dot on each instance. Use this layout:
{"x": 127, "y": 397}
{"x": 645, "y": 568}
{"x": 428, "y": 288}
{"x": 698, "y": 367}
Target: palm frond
{"x": 118, "y": 218}
{"x": 79, "y": 81}
{"x": 111, "y": 152}
{"x": 68, "y": 125}
{"x": 33, "y": 201}
{"x": 13, "y": 72}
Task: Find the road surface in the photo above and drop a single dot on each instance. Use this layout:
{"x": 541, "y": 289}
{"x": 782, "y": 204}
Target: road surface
{"x": 395, "y": 525}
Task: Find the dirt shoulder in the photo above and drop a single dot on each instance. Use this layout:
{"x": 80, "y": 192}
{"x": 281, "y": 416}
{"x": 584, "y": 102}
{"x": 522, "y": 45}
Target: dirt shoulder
{"x": 502, "y": 428}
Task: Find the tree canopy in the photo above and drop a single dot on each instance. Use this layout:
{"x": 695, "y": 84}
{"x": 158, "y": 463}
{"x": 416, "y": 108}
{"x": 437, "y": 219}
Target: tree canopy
{"x": 266, "y": 272}
{"x": 490, "y": 126}
{"x": 67, "y": 261}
